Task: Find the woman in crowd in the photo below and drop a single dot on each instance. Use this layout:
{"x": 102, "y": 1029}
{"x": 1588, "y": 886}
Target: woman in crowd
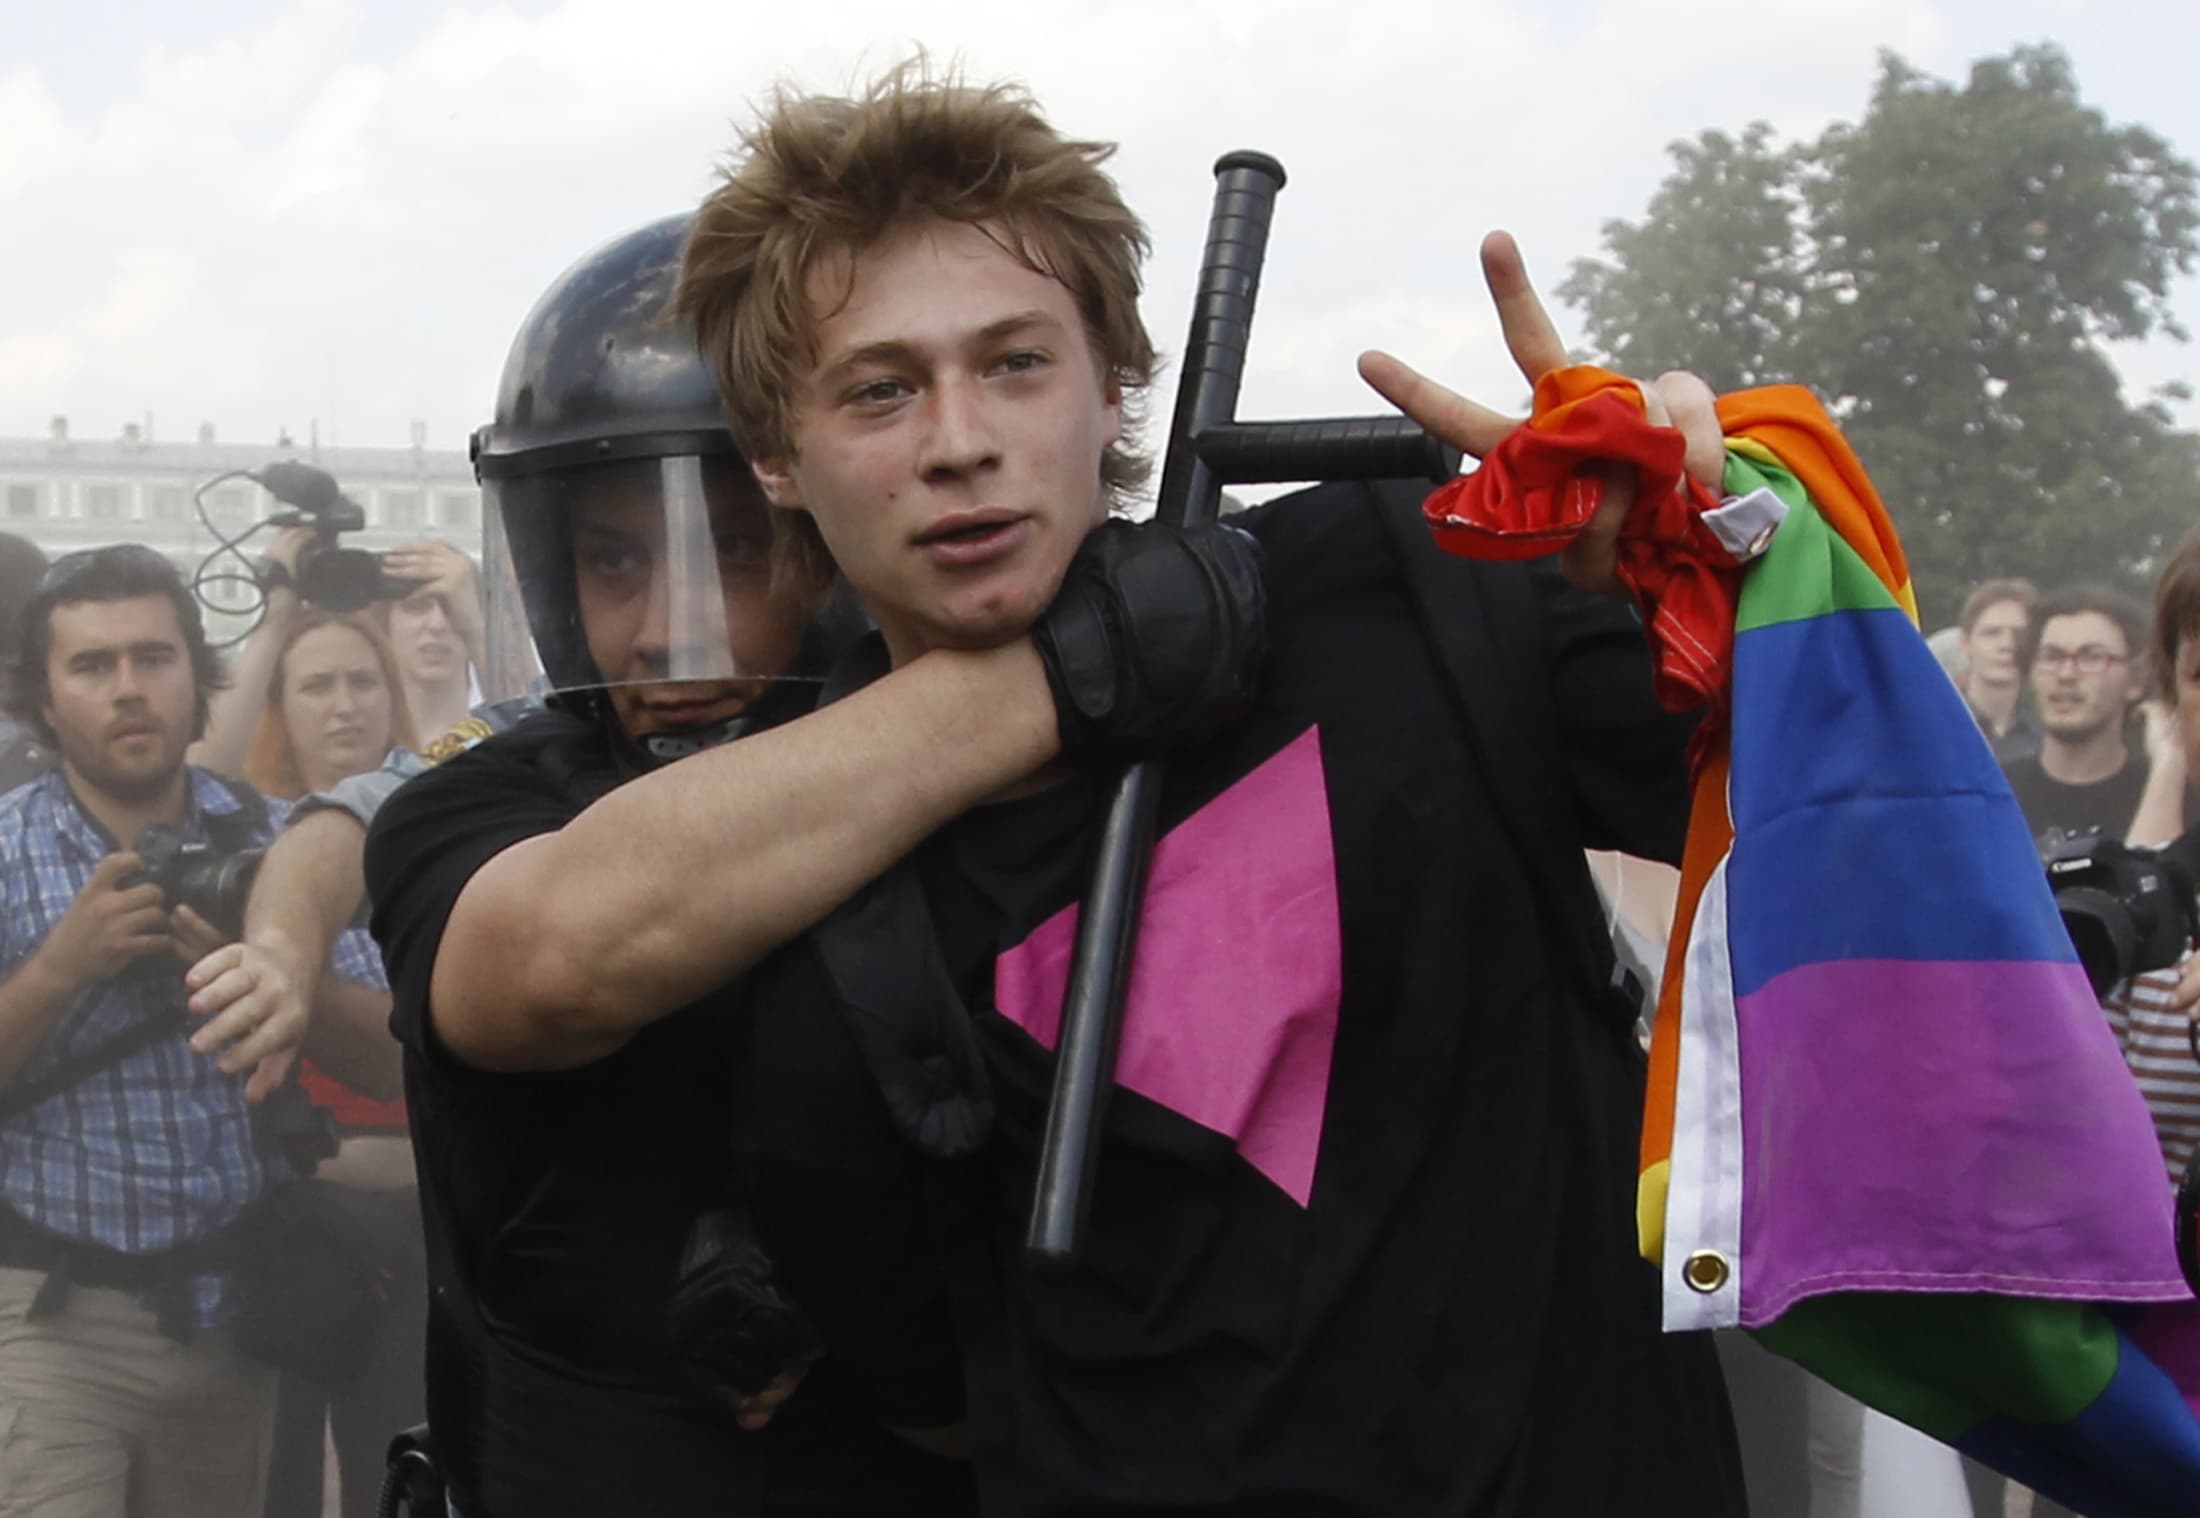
{"x": 325, "y": 699}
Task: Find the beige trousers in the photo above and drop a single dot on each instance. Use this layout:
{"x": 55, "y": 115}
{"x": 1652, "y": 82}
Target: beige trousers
{"x": 102, "y": 1416}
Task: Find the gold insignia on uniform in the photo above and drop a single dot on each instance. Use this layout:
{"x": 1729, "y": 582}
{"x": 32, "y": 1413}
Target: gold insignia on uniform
{"x": 457, "y": 740}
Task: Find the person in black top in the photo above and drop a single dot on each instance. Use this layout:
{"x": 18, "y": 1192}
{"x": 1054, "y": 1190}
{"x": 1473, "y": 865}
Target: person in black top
{"x": 2087, "y": 668}
{"x": 566, "y": 910}
{"x": 1363, "y": 1237}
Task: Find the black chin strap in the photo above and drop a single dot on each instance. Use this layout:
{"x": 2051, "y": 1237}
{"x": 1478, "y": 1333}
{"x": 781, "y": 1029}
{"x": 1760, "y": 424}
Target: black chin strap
{"x": 663, "y": 748}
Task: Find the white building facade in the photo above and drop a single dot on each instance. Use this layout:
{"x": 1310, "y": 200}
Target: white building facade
{"x": 64, "y": 493}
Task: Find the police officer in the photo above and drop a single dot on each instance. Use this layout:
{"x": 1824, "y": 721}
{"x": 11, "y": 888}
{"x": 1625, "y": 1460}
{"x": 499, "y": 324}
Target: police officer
{"x": 568, "y": 909}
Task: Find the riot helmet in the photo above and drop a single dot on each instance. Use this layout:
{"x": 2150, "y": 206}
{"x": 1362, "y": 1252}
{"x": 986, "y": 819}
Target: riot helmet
{"x": 636, "y": 539}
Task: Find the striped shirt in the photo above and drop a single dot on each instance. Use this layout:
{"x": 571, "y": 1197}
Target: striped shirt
{"x": 156, "y": 1150}
{"x": 2157, "y": 1044}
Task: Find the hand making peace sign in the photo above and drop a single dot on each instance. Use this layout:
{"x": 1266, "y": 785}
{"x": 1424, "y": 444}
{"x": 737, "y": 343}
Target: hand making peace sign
{"x": 1671, "y": 400}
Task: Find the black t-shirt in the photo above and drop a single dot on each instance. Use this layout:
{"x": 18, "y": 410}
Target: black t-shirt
{"x": 556, "y": 1205}
{"x": 2055, "y": 809}
{"x": 1363, "y": 1234}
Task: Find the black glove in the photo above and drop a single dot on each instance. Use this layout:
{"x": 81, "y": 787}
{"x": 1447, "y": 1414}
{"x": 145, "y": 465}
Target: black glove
{"x": 735, "y": 1332}
{"x": 1156, "y": 637}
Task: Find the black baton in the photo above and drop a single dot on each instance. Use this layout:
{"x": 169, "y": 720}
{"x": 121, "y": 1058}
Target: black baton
{"x": 1207, "y": 450}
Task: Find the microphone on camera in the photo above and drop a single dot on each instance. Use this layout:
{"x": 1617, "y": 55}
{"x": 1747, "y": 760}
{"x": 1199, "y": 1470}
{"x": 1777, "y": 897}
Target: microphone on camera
{"x": 311, "y": 490}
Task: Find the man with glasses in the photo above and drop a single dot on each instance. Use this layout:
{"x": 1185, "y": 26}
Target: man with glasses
{"x": 2086, "y": 672}
{"x": 126, "y": 1145}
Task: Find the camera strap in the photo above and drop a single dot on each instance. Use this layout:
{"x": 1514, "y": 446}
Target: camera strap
{"x": 881, "y": 955}
{"x": 21, "y": 1096}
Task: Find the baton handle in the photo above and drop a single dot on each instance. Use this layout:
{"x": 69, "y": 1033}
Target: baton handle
{"x": 1222, "y": 324}
{"x": 1337, "y": 448}
{"x": 1107, "y": 927}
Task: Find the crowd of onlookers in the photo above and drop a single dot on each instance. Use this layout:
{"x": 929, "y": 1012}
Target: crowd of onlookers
{"x": 120, "y": 1160}
{"x": 2092, "y": 704}
{"x": 121, "y": 716}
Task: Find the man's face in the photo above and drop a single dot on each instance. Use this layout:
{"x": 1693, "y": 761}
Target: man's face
{"x": 2082, "y": 677}
{"x": 647, "y": 622}
{"x": 122, "y": 698}
{"x": 1994, "y": 642}
{"x": 427, "y": 647}
{"x": 948, "y": 440}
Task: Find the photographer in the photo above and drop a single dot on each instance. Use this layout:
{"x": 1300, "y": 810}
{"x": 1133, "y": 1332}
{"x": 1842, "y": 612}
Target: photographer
{"x": 2153, "y": 1013}
{"x": 127, "y": 1147}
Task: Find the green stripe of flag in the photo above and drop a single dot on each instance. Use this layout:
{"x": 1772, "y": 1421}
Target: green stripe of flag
{"x": 1946, "y": 1363}
{"x": 1810, "y": 570}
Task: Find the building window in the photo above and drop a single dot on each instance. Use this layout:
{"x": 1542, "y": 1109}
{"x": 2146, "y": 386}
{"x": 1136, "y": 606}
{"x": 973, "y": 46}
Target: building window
{"x": 22, "y": 501}
{"x": 461, "y": 509}
{"x": 103, "y": 503}
{"x": 166, "y": 503}
{"x": 230, "y": 506}
{"x": 402, "y": 510}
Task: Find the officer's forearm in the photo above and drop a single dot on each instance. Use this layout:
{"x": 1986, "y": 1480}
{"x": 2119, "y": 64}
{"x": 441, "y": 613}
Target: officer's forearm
{"x": 308, "y": 891}
{"x": 564, "y": 946}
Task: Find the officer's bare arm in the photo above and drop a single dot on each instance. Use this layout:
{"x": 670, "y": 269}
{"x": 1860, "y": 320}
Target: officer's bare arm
{"x": 309, "y": 889}
{"x": 564, "y": 946}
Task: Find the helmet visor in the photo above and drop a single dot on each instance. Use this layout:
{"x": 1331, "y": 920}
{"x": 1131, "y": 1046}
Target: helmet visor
{"x": 650, "y": 572}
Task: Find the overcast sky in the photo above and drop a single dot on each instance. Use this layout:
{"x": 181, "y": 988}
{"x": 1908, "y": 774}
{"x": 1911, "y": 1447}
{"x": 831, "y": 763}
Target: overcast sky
{"x": 263, "y": 214}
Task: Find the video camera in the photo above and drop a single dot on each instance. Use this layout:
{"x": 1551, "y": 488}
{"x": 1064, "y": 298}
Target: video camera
{"x": 2127, "y": 910}
{"x": 329, "y": 575}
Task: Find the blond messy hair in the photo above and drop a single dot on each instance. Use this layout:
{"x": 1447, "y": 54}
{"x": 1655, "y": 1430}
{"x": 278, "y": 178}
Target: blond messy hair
{"x": 826, "y": 177}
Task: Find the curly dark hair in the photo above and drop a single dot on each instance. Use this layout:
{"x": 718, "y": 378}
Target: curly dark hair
{"x": 119, "y": 572}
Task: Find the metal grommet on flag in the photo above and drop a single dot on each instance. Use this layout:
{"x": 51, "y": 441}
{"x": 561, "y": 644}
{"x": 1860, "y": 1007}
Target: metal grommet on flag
{"x": 1706, "y": 1271}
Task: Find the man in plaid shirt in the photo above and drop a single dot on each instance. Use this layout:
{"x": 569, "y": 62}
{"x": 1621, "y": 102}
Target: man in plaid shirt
{"x": 119, "y": 1392}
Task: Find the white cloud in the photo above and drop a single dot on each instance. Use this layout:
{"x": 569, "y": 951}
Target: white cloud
{"x": 318, "y": 216}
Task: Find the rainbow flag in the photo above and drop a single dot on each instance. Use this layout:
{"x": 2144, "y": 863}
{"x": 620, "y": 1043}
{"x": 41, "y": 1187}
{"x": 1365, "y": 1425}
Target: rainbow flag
{"x": 1889, "y": 1128}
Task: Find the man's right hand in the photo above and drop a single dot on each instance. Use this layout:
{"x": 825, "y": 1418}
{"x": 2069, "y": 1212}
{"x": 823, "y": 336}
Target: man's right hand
{"x": 1156, "y": 637}
{"x": 1677, "y": 400}
{"x": 111, "y": 923}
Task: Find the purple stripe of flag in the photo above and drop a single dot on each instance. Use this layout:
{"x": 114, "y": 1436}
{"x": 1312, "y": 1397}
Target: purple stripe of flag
{"x": 1957, "y": 1126}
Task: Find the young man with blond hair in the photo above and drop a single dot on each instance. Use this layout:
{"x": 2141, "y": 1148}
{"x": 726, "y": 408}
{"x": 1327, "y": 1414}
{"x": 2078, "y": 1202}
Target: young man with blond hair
{"x": 1363, "y": 1237}
{"x": 1995, "y": 618}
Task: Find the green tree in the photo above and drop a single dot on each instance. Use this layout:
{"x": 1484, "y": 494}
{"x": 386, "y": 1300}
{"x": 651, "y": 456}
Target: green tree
{"x": 1948, "y": 273}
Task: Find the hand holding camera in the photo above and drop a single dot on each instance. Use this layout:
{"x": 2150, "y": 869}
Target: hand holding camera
{"x": 119, "y": 917}
{"x": 435, "y": 568}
